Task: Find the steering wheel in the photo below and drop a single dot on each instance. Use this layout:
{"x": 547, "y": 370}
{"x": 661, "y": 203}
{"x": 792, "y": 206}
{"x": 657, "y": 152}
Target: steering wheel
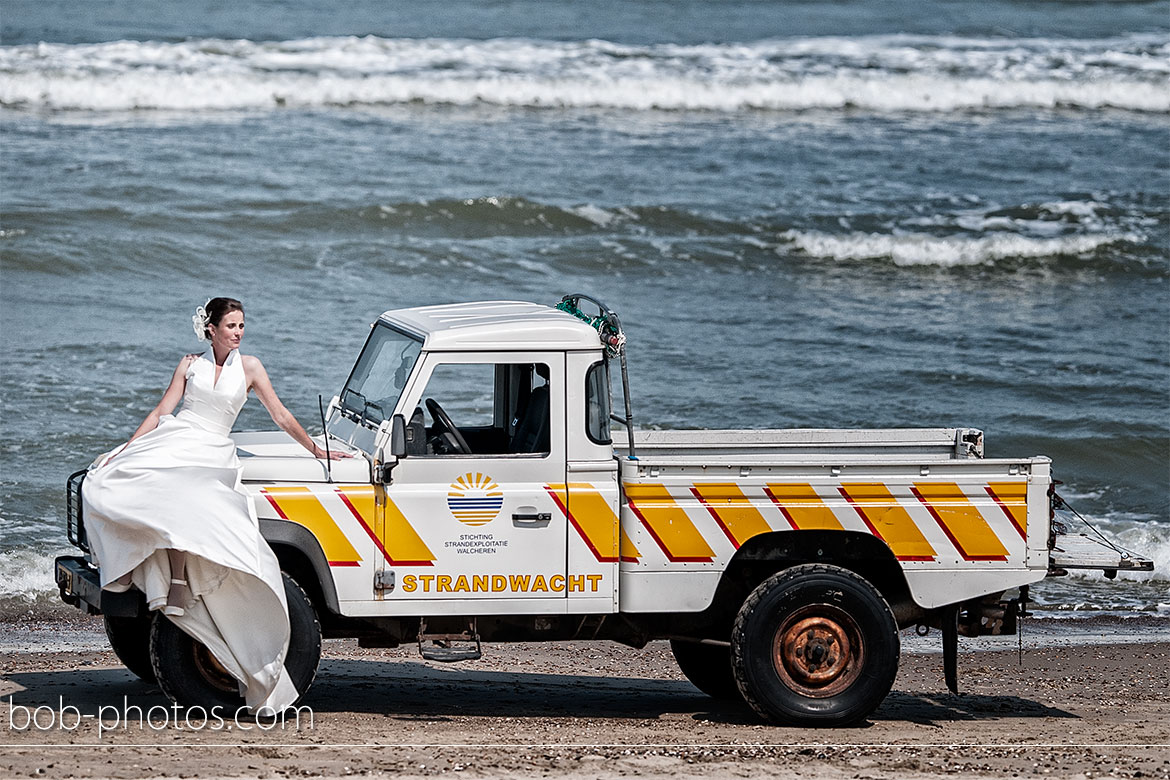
{"x": 443, "y": 421}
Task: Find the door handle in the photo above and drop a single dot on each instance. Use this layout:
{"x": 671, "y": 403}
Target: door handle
{"x": 531, "y": 518}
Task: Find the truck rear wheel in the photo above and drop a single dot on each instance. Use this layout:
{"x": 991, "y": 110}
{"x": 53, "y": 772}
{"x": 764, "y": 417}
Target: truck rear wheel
{"x": 814, "y": 645}
{"x": 191, "y": 676}
{"x": 708, "y": 667}
{"x": 130, "y": 640}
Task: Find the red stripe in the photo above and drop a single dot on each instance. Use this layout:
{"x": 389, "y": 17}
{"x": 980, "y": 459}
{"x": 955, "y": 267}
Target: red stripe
{"x": 947, "y": 531}
{"x": 357, "y": 516}
{"x": 784, "y": 510}
{"x": 275, "y": 506}
{"x": 714, "y": 514}
{"x": 654, "y": 536}
{"x": 1011, "y": 518}
{"x": 557, "y": 500}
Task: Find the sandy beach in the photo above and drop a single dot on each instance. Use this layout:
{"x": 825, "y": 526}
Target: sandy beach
{"x": 589, "y": 710}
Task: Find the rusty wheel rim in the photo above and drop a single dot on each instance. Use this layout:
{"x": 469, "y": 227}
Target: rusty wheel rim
{"x": 213, "y": 671}
{"x": 818, "y": 651}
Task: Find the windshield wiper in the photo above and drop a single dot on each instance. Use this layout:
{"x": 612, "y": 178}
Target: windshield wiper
{"x": 371, "y": 405}
{"x": 352, "y": 414}
{"x": 346, "y": 411}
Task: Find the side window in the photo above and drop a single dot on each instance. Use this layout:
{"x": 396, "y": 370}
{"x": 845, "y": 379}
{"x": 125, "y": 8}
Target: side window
{"x": 465, "y": 391}
{"x": 597, "y": 408}
{"x": 487, "y": 409}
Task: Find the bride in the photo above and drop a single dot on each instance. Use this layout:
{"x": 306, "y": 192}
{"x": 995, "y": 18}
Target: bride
{"x": 166, "y": 513}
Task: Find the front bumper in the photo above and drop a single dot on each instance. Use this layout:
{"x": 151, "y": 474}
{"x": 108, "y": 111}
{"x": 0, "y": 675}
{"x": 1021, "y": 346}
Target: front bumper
{"x": 78, "y": 583}
{"x": 80, "y": 586}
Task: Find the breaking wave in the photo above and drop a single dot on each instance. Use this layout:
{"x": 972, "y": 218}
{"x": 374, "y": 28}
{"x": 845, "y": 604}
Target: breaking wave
{"x": 887, "y": 73}
{"x": 1088, "y": 230}
{"x": 946, "y": 251}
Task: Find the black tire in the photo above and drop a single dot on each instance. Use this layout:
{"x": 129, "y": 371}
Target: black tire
{"x": 815, "y": 645}
{"x": 130, "y": 640}
{"x": 191, "y": 676}
{"x": 708, "y": 667}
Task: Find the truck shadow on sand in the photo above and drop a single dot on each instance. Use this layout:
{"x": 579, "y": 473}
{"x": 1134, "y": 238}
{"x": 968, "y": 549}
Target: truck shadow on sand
{"x": 931, "y": 708}
{"x": 414, "y": 690}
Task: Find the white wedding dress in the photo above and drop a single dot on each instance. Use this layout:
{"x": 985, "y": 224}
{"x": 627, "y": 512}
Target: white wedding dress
{"x": 178, "y": 487}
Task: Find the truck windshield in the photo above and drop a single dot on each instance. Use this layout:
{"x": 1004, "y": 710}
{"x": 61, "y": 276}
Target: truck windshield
{"x": 380, "y": 374}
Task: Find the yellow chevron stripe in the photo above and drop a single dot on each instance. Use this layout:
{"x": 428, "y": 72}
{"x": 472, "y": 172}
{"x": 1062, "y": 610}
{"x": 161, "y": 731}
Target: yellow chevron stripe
{"x": 398, "y": 545}
{"x": 1012, "y": 498}
{"x": 299, "y": 505}
{"x": 401, "y": 544}
{"x": 961, "y": 521}
{"x": 732, "y": 510}
{"x": 594, "y": 520}
{"x": 627, "y": 550}
{"x": 802, "y": 507}
{"x": 888, "y": 520}
{"x": 667, "y": 523}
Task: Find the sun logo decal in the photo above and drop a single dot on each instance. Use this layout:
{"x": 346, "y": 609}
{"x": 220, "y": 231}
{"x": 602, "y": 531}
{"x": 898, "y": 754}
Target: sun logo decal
{"x": 475, "y": 499}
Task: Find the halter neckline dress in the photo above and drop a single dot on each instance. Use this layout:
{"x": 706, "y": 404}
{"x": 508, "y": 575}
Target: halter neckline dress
{"x": 178, "y": 487}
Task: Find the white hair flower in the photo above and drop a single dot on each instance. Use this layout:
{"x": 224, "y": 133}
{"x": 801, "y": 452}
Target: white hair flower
{"x": 199, "y": 321}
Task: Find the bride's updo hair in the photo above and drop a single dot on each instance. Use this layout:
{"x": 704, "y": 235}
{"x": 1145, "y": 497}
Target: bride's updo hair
{"x": 216, "y": 308}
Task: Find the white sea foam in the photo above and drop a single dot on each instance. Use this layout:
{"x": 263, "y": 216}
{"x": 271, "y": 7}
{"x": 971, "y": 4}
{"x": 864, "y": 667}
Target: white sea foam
{"x": 1076, "y": 208}
{"x": 595, "y": 214}
{"x": 1073, "y": 494}
{"x": 910, "y": 249}
{"x": 26, "y": 573}
{"x": 875, "y": 73}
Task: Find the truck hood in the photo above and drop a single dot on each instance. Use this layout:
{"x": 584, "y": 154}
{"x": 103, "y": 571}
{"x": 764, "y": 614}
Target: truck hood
{"x": 273, "y": 456}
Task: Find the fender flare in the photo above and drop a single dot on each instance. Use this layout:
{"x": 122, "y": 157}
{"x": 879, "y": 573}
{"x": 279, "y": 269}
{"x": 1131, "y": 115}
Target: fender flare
{"x": 861, "y": 553}
{"x": 816, "y": 546}
{"x": 284, "y": 533}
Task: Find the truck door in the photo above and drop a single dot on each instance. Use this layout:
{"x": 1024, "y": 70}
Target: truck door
{"x": 470, "y": 506}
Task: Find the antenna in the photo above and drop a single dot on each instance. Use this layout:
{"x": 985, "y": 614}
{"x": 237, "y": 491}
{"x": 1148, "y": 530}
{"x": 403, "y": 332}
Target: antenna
{"x": 325, "y": 435}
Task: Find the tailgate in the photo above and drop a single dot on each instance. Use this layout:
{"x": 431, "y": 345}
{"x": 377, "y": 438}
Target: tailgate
{"x": 1087, "y": 550}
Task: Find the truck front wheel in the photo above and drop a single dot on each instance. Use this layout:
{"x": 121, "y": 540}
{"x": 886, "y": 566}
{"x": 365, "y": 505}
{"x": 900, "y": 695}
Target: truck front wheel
{"x": 814, "y": 645}
{"x": 190, "y": 675}
{"x": 130, "y": 640}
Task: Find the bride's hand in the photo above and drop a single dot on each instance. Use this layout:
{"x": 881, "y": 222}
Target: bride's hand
{"x": 319, "y": 452}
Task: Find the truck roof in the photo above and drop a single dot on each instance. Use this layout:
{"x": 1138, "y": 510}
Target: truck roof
{"x": 490, "y": 325}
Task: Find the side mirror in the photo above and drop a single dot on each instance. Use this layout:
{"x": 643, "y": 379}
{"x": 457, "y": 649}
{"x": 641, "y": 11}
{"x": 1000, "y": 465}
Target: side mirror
{"x": 398, "y": 436}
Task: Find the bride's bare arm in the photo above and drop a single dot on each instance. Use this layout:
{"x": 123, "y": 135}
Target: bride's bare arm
{"x": 258, "y": 380}
{"x": 170, "y": 399}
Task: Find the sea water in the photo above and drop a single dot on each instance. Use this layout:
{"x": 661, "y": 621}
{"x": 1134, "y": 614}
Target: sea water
{"x": 808, "y": 214}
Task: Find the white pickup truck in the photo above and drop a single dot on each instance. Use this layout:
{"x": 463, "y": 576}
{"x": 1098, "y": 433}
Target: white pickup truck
{"x": 780, "y": 564}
